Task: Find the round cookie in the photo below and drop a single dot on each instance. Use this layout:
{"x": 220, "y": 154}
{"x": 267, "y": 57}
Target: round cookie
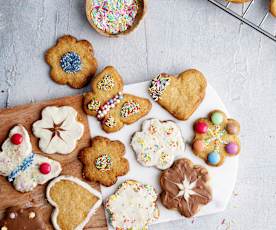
{"x": 132, "y": 206}
{"x": 157, "y": 143}
{"x": 185, "y": 187}
{"x": 72, "y": 62}
{"x": 215, "y": 138}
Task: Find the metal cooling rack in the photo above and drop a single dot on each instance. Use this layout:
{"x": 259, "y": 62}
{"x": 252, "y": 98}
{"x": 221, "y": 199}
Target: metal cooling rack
{"x": 251, "y": 13}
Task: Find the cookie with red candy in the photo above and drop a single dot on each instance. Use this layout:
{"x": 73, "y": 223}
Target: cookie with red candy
{"x": 22, "y": 167}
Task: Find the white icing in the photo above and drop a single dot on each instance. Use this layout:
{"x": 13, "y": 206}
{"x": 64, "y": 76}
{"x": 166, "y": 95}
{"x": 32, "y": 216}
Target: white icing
{"x": 70, "y": 130}
{"x": 133, "y": 208}
{"x": 157, "y": 143}
{"x": 80, "y": 183}
{"x": 13, "y": 155}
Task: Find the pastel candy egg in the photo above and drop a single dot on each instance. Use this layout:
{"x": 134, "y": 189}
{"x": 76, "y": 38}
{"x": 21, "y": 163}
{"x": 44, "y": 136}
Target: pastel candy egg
{"x": 198, "y": 146}
{"x": 213, "y": 158}
{"x": 45, "y": 168}
{"x": 201, "y": 127}
{"x": 232, "y": 128}
{"x": 16, "y": 139}
{"x": 232, "y": 148}
{"x": 217, "y": 118}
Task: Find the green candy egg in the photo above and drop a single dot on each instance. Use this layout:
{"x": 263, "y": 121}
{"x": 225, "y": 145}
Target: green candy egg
{"x": 217, "y": 118}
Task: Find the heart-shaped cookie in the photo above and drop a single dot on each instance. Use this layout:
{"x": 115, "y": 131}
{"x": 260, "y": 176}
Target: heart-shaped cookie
{"x": 74, "y": 200}
{"x": 180, "y": 95}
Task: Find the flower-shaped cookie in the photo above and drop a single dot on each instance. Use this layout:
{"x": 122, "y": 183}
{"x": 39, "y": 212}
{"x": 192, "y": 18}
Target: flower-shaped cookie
{"x": 215, "y": 138}
{"x": 132, "y": 206}
{"x": 157, "y": 143}
{"x": 58, "y": 130}
{"x": 72, "y": 62}
{"x": 185, "y": 187}
{"x": 104, "y": 161}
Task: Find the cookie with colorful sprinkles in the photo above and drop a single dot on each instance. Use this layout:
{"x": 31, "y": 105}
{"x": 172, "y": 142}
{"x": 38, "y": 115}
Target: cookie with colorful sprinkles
{"x": 180, "y": 95}
{"x": 216, "y": 137}
{"x": 115, "y": 17}
{"x": 132, "y": 206}
{"x": 158, "y": 143}
{"x": 104, "y": 161}
{"x": 71, "y": 61}
{"x": 110, "y": 105}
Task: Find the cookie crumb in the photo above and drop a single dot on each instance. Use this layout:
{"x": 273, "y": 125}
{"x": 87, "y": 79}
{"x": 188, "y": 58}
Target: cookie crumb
{"x": 12, "y": 215}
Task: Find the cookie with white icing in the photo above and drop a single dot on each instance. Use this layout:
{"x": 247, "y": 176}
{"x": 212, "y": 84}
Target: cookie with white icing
{"x": 58, "y": 130}
{"x": 22, "y": 167}
{"x": 74, "y": 200}
{"x": 157, "y": 143}
{"x": 132, "y": 206}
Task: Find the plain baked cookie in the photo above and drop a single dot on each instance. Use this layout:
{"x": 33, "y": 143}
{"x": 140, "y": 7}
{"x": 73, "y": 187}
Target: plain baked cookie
{"x": 23, "y": 218}
{"x": 110, "y": 105}
{"x": 21, "y": 166}
{"x": 74, "y": 202}
{"x": 104, "y": 161}
{"x": 132, "y": 206}
{"x": 216, "y": 137}
{"x": 157, "y": 143}
{"x": 185, "y": 187}
{"x": 180, "y": 95}
{"x": 72, "y": 62}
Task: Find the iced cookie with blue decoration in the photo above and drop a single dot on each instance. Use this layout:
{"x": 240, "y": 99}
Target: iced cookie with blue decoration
{"x": 216, "y": 137}
{"x": 21, "y": 166}
{"x": 72, "y": 62}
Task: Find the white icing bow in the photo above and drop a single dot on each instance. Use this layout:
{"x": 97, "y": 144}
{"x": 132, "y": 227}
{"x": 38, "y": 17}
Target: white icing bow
{"x": 58, "y": 130}
{"x": 20, "y": 165}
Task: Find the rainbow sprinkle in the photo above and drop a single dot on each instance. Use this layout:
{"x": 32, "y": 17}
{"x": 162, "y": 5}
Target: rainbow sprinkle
{"x": 114, "y": 16}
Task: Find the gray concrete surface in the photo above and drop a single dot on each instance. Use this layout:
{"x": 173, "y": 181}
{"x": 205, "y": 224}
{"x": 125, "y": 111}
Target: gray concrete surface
{"x": 176, "y": 34}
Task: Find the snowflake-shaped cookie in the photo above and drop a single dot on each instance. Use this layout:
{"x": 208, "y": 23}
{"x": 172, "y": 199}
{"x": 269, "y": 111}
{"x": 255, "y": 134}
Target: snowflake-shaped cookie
{"x": 22, "y": 167}
{"x": 216, "y": 137}
{"x": 185, "y": 187}
{"x": 157, "y": 143}
{"x": 58, "y": 130}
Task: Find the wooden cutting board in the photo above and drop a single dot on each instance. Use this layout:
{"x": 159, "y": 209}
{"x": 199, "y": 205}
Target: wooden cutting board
{"x": 26, "y": 115}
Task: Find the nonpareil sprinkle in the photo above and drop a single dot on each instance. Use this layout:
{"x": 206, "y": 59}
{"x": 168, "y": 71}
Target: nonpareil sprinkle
{"x": 114, "y": 16}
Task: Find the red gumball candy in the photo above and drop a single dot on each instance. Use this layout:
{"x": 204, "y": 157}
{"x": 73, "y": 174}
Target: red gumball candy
{"x": 45, "y": 168}
{"x": 16, "y": 139}
{"x": 201, "y": 127}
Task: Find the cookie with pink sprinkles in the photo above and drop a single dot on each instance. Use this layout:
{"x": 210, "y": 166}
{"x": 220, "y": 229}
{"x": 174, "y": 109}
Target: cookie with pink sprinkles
{"x": 114, "y": 17}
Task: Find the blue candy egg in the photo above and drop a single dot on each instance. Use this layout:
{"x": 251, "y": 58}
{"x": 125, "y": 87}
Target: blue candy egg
{"x": 213, "y": 158}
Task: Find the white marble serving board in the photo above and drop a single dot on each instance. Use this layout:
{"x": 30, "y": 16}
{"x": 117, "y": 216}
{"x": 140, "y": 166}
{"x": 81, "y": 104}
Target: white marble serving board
{"x": 222, "y": 178}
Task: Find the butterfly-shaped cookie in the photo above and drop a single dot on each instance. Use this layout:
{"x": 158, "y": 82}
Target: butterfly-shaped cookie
{"x": 107, "y": 102}
{"x": 22, "y": 167}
